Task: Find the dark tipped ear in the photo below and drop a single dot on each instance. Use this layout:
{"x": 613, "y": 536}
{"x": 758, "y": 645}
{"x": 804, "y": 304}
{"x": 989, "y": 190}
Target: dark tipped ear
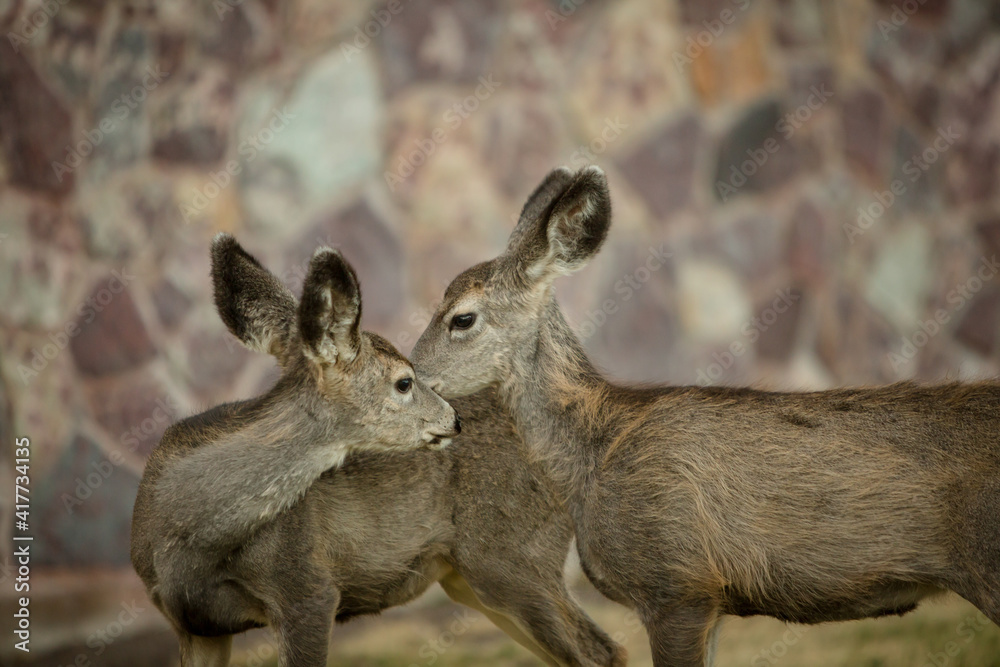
{"x": 330, "y": 310}
{"x": 563, "y": 224}
{"x": 251, "y": 301}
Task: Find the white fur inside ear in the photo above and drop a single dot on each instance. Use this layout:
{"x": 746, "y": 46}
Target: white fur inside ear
{"x": 562, "y": 232}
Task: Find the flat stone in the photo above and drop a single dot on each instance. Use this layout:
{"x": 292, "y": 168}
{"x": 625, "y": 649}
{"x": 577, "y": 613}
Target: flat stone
{"x": 523, "y": 139}
{"x": 375, "y": 252}
{"x": 978, "y": 328}
{"x": 712, "y": 302}
{"x": 662, "y": 170}
{"x": 115, "y": 338}
{"x": 854, "y": 341}
{"x": 297, "y": 174}
{"x": 899, "y": 281}
{"x": 192, "y": 122}
{"x": 744, "y": 163}
{"x": 134, "y": 410}
{"x": 920, "y": 179}
{"x": 777, "y": 340}
{"x": 974, "y": 175}
{"x": 988, "y": 231}
{"x": 452, "y": 41}
{"x": 214, "y": 359}
{"x": 808, "y": 245}
{"x": 799, "y": 23}
{"x": 696, "y": 12}
{"x": 171, "y": 303}
{"x": 39, "y": 285}
{"x": 927, "y": 11}
{"x": 753, "y": 244}
{"x": 43, "y": 125}
{"x": 865, "y": 125}
{"x": 81, "y": 512}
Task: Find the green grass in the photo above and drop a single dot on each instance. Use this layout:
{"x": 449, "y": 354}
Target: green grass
{"x": 947, "y": 632}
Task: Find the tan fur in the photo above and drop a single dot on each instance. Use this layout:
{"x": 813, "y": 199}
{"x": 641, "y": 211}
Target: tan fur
{"x": 296, "y": 508}
{"x": 691, "y": 503}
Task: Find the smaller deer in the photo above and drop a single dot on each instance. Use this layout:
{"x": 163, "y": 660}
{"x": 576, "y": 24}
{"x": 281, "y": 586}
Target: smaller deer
{"x": 692, "y": 503}
{"x": 333, "y": 494}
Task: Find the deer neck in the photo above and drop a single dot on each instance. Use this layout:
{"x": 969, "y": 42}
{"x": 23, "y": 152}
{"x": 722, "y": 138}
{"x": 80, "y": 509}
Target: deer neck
{"x": 557, "y": 399}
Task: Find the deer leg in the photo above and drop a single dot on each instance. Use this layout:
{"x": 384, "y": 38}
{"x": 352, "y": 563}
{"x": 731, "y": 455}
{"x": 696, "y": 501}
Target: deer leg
{"x": 542, "y": 617}
{"x": 680, "y": 635}
{"x": 205, "y": 651}
{"x": 458, "y": 589}
{"x": 303, "y": 628}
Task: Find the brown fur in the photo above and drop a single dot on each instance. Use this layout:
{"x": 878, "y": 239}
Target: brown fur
{"x": 691, "y": 503}
{"x": 225, "y": 541}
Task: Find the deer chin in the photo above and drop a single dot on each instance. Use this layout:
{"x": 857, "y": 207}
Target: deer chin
{"x": 436, "y": 442}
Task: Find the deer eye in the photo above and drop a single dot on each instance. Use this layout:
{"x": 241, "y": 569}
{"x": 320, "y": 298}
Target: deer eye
{"x": 403, "y": 386}
{"x": 463, "y": 321}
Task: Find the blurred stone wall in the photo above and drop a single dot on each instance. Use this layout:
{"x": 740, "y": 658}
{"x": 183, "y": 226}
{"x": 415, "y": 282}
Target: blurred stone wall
{"x": 805, "y": 196}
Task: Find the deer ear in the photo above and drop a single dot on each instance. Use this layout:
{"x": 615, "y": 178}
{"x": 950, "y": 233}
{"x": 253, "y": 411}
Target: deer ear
{"x": 254, "y": 305}
{"x": 330, "y": 310}
{"x": 563, "y": 225}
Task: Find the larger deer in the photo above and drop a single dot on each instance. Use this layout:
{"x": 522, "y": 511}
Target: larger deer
{"x": 313, "y": 503}
{"x": 692, "y": 503}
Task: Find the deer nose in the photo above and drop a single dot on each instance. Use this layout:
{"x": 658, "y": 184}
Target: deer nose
{"x": 458, "y": 424}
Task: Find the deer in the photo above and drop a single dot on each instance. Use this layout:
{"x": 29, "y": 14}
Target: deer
{"x": 694, "y": 503}
{"x": 344, "y": 490}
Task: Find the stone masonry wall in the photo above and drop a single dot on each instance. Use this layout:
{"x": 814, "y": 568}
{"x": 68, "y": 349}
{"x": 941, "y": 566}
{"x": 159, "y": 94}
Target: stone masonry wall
{"x": 805, "y": 196}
